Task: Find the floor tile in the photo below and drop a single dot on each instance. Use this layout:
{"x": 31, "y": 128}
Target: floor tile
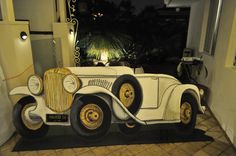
{"x": 229, "y": 152}
{"x": 212, "y": 150}
{"x": 46, "y": 152}
{"x": 28, "y": 153}
{"x": 88, "y": 153}
{"x": 178, "y": 152}
{"x": 192, "y": 148}
{"x": 121, "y": 152}
{"x": 80, "y": 150}
{"x": 167, "y": 147}
{"x": 219, "y": 146}
{"x": 101, "y": 151}
{"x": 8, "y": 152}
{"x": 201, "y": 153}
{"x": 8, "y": 145}
{"x": 66, "y": 152}
{"x": 134, "y": 149}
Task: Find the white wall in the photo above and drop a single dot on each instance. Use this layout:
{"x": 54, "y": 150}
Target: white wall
{"x": 40, "y": 13}
{"x": 222, "y": 78}
{"x": 195, "y": 23}
{"x": 62, "y": 32}
{"x": 16, "y": 65}
{"x": 7, "y": 127}
{"x": 0, "y": 13}
{"x": 15, "y": 54}
{"x": 43, "y": 17}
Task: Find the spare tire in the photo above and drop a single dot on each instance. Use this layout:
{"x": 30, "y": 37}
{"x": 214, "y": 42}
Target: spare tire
{"x": 128, "y": 90}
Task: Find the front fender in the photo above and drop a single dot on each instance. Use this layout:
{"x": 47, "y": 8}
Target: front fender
{"x": 41, "y": 108}
{"x": 23, "y": 90}
{"x": 172, "y": 110}
{"x": 117, "y": 106}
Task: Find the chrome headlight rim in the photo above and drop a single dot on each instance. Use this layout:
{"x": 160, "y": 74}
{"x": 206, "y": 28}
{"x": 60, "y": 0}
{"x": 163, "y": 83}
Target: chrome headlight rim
{"x": 40, "y": 84}
{"x": 77, "y": 83}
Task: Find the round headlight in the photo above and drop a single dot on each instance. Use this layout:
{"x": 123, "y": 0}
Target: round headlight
{"x": 35, "y": 84}
{"x": 201, "y": 92}
{"x": 71, "y": 83}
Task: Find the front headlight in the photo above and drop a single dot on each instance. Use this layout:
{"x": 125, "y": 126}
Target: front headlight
{"x": 201, "y": 92}
{"x": 71, "y": 83}
{"x": 35, "y": 84}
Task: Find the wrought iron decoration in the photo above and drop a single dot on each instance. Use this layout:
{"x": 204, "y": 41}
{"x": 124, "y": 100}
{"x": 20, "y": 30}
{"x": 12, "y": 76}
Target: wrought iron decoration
{"x": 71, "y": 17}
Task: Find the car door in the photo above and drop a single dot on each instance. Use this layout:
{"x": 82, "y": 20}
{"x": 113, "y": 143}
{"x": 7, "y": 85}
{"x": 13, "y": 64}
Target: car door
{"x": 149, "y": 85}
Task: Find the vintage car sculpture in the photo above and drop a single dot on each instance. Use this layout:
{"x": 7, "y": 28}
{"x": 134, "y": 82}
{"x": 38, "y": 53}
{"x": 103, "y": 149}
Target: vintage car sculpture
{"x": 90, "y": 99}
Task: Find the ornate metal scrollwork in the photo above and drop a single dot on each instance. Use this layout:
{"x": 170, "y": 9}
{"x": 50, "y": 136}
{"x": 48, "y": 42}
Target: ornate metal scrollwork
{"x": 71, "y": 17}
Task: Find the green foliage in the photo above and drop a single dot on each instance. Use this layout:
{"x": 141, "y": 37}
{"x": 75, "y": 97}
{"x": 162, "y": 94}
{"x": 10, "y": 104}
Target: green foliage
{"x": 112, "y": 44}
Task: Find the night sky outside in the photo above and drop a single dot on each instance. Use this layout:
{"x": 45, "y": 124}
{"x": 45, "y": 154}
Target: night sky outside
{"x": 141, "y": 4}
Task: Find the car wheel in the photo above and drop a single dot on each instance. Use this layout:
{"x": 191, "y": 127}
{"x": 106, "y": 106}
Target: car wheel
{"x": 90, "y": 117}
{"x": 129, "y": 129}
{"x": 188, "y": 115}
{"x": 26, "y": 125}
{"x": 129, "y": 92}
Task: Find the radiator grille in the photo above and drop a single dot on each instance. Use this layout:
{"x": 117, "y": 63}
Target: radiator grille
{"x": 57, "y": 99}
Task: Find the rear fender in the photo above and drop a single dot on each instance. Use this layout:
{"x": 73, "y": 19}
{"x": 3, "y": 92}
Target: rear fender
{"x": 172, "y": 111}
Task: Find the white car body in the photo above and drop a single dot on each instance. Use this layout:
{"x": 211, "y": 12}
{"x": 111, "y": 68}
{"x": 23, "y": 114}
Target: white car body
{"x": 160, "y": 102}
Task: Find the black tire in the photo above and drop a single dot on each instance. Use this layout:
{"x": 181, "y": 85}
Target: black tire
{"x": 21, "y": 128}
{"x": 77, "y": 124}
{"x": 186, "y": 129}
{"x": 134, "y": 107}
{"x": 129, "y": 129}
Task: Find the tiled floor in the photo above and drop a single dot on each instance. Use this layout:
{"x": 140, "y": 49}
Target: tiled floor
{"x": 220, "y": 146}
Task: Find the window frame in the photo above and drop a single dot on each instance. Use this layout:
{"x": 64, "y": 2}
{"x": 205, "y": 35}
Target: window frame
{"x": 209, "y": 46}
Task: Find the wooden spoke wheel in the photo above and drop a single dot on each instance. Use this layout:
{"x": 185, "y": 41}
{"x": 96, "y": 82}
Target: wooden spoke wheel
{"x": 185, "y": 113}
{"x": 188, "y": 115}
{"x": 90, "y": 117}
{"x": 127, "y": 94}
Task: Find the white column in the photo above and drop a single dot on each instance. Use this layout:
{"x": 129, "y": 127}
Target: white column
{"x": 204, "y": 25}
{"x": 62, "y": 10}
{"x": 7, "y": 10}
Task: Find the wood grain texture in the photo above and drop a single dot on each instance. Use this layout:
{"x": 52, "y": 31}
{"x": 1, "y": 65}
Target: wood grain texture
{"x": 57, "y": 99}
